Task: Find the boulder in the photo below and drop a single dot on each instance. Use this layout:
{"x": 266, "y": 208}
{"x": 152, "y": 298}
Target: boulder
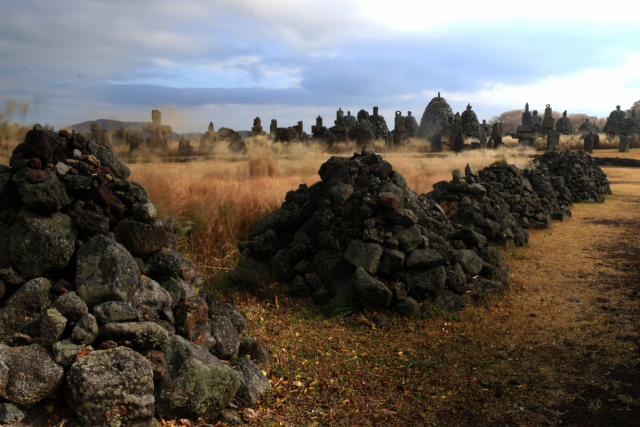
{"x": 111, "y": 388}
{"x": 364, "y": 255}
{"x": 86, "y": 330}
{"x": 116, "y": 311}
{"x": 44, "y": 195}
{"x": 253, "y": 383}
{"x": 196, "y": 384}
{"x": 41, "y": 245}
{"x": 425, "y": 283}
{"x": 138, "y": 335}
{"x": 408, "y": 307}
{"x": 10, "y": 413}
{"x": 32, "y": 374}
{"x": 51, "y": 327}
{"x": 226, "y": 336}
{"x": 71, "y": 306}
{"x": 470, "y": 261}
{"x": 22, "y": 312}
{"x": 371, "y": 293}
{"x": 109, "y": 159}
{"x": 105, "y": 271}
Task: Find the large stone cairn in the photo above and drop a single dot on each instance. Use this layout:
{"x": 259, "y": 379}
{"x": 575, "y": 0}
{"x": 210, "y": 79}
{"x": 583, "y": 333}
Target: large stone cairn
{"x": 157, "y": 132}
{"x": 437, "y": 118}
{"x": 619, "y": 124}
{"x": 361, "y": 233}
{"x": 576, "y": 176}
{"x": 470, "y": 125}
{"x": 564, "y": 125}
{"x": 526, "y": 132}
{"x": 411, "y": 124}
{"x": 95, "y": 297}
{"x": 500, "y": 202}
{"x": 208, "y": 140}
{"x": 587, "y": 127}
{"x": 380, "y": 129}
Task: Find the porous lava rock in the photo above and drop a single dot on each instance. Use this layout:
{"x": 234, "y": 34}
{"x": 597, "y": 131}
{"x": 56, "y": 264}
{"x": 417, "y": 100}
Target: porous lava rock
{"x": 577, "y": 176}
{"x": 372, "y": 247}
{"x": 436, "y": 119}
{"x": 92, "y": 285}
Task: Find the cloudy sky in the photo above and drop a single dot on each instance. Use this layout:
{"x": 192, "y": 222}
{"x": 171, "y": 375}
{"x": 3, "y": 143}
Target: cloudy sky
{"x": 228, "y": 61}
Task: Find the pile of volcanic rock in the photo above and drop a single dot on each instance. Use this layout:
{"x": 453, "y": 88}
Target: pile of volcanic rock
{"x": 564, "y": 125}
{"x": 436, "y": 119}
{"x": 361, "y": 235}
{"x": 577, "y": 176}
{"x": 500, "y": 202}
{"x": 470, "y": 124}
{"x": 95, "y": 300}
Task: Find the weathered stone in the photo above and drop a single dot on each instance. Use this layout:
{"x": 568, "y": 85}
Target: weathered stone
{"x": 450, "y": 302}
{"x": 41, "y": 245}
{"x": 32, "y": 374}
{"x": 471, "y": 263}
{"x": 10, "y": 414}
{"x": 65, "y": 352}
{"x": 105, "y": 271}
{"x": 341, "y": 192}
{"x": 426, "y": 283}
{"x": 253, "y": 383}
{"x": 51, "y": 327}
{"x": 155, "y": 297}
{"x": 139, "y": 335}
{"x": 109, "y": 159}
{"x": 409, "y": 240}
{"x": 22, "y": 312}
{"x": 408, "y": 307}
{"x": 158, "y": 363}
{"x": 86, "y": 330}
{"x": 259, "y": 354}
{"x": 226, "y": 336}
{"x": 371, "y": 293}
{"x": 44, "y": 196}
{"x": 364, "y": 255}
{"x": 178, "y": 289}
{"x": 116, "y": 311}
{"x": 111, "y": 388}
{"x": 197, "y": 384}
{"x": 140, "y": 238}
{"x": 423, "y": 258}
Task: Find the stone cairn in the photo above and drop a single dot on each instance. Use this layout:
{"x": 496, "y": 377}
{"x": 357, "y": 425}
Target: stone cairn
{"x": 526, "y": 132}
{"x": 318, "y": 130}
{"x": 619, "y": 124}
{"x": 576, "y": 176}
{"x": 587, "y": 127}
{"x": 97, "y": 302}
{"x": 256, "y": 129}
{"x": 411, "y": 124}
{"x": 500, "y": 202}
{"x": 564, "y": 125}
{"x": 361, "y": 235}
{"x": 380, "y": 129}
{"x": 362, "y": 131}
{"x": 185, "y": 149}
{"x": 208, "y": 140}
{"x": 341, "y": 128}
{"x": 235, "y": 142}
{"x": 437, "y": 117}
{"x": 470, "y": 125}
{"x": 157, "y": 132}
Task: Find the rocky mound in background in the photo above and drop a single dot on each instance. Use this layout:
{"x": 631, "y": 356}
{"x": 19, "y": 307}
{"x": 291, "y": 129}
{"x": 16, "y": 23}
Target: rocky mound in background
{"x": 577, "y": 176}
{"x": 361, "y": 236}
{"x": 437, "y": 118}
{"x": 564, "y": 126}
{"x": 95, "y": 297}
{"x": 500, "y": 202}
{"x": 470, "y": 125}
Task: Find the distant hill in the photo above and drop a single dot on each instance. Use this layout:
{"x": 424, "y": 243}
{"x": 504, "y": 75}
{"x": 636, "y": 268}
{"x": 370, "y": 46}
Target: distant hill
{"x": 85, "y": 127}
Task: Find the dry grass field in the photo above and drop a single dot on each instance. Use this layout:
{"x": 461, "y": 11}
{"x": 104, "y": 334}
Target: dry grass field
{"x": 561, "y": 349}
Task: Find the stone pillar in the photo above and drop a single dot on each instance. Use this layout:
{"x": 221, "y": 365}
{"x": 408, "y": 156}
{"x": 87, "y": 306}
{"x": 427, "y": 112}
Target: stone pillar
{"x": 273, "y": 127}
{"x": 526, "y": 116}
{"x": 436, "y": 142}
{"x": 399, "y": 120}
{"x": 458, "y": 141}
{"x": 375, "y": 111}
{"x": 588, "y": 142}
{"x": 483, "y": 142}
{"x": 553, "y": 140}
{"x": 596, "y": 141}
{"x": 300, "y": 130}
{"x": 624, "y": 144}
{"x": 156, "y": 118}
{"x": 319, "y": 121}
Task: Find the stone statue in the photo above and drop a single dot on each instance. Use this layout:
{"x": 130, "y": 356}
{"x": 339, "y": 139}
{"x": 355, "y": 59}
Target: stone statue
{"x": 548, "y": 122}
{"x": 526, "y": 116}
{"x": 273, "y": 127}
{"x": 157, "y": 132}
{"x": 564, "y": 114}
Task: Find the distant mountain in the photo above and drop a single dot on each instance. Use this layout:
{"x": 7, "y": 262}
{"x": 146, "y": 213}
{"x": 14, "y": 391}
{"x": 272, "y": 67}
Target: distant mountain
{"x": 85, "y": 127}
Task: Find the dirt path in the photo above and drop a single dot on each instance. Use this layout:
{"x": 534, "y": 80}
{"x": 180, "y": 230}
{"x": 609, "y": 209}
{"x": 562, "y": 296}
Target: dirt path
{"x": 562, "y": 348}
{"x": 579, "y": 290}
